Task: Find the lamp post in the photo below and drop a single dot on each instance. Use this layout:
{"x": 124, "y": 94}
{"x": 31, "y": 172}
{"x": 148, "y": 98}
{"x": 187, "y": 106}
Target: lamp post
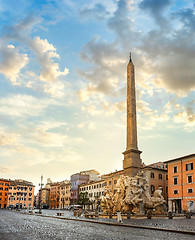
{"x": 40, "y": 197}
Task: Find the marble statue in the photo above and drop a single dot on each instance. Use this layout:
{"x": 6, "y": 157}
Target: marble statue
{"x": 132, "y": 194}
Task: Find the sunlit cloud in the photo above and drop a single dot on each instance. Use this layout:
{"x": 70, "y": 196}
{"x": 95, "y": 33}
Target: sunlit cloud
{"x": 24, "y": 105}
{"x": 11, "y": 62}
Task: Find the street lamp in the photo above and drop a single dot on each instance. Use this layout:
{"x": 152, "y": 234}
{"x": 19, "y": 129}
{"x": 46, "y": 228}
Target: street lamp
{"x": 40, "y": 197}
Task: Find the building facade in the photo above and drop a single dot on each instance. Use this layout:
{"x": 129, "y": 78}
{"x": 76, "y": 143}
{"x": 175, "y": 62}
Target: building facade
{"x": 4, "y": 192}
{"x": 181, "y": 183}
{"x": 79, "y": 178}
{"x": 21, "y": 194}
{"x": 157, "y": 178}
{"x": 111, "y": 179}
{"x": 95, "y": 190}
{"x": 65, "y": 187}
{"x": 44, "y": 198}
{"x": 54, "y": 195}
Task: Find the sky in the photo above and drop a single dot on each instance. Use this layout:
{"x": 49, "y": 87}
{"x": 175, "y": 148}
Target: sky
{"x": 63, "y": 84}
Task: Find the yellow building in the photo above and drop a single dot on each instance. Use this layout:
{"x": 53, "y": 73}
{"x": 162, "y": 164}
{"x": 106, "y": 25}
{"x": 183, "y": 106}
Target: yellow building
{"x": 65, "y": 187}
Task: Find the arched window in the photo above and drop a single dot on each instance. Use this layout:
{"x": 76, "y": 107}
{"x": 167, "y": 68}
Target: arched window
{"x": 152, "y": 175}
{"x": 160, "y": 176}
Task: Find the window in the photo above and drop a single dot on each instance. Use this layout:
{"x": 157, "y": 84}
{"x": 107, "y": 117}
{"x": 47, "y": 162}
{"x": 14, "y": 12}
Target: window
{"x": 10, "y": 187}
{"x": 190, "y": 179}
{"x": 105, "y": 184}
{"x": 175, "y": 181}
{"x": 175, "y": 192}
{"x": 1, "y": 188}
{"x": 189, "y": 166}
{"x": 6, "y": 189}
{"x": 109, "y": 182}
{"x": 175, "y": 169}
{"x": 190, "y": 190}
{"x": 152, "y": 189}
{"x": 6, "y": 184}
{"x": 89, "y": 187}
{"x": 152, "y": 175}
{"x": 166, "y": 177}
{"x": 160, "y": 176}
{"x": 115, "y": 181}
{"x": 1, "y": 183}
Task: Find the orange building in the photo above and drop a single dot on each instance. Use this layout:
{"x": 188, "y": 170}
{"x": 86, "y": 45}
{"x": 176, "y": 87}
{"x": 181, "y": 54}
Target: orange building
{"x": 21, "y": 194}
{"x": 54, "y": 195}
{"x": 181, "y": 183}
{"x": 4, "y": 190}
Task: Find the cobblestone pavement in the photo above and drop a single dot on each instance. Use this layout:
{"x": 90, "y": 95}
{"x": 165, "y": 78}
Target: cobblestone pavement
{"x": 173, "y": 224}
{"x": 17, "y": 226}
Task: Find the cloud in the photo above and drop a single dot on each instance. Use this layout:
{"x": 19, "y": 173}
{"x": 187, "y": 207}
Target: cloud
{"x": 4, "y": 169}
{"x": 156, "y": 8}
{"x": 122, "y": 24}
{"x": 105, "y": 75}
{"x": 98, "y": 12}
{"x": 91, "y": 109}
{"x": 164, "y": 56}
{"x": 7, "y": 140}
{"x": 50, "y": 124}
{"x": 23, "y": 106}
{"x": 187, "y": 115}
{"x": 44, "y": 51}
{"x": 11, "y": 62}
{"x": 48, "y": 139}
{"x": 81, "y": 125}
{"x": 92, "y": 126}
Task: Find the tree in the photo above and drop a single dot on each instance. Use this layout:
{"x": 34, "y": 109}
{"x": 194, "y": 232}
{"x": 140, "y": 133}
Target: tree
{"x": 83, "y": 199}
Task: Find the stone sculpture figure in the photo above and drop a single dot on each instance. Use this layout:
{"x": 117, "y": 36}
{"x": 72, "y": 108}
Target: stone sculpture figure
{"x": 107, "y": 202}
{"x": 132, "y": 194}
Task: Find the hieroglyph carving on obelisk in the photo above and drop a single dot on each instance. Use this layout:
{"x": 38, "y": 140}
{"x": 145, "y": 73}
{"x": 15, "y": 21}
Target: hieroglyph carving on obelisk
{"x": 132, "y": 162}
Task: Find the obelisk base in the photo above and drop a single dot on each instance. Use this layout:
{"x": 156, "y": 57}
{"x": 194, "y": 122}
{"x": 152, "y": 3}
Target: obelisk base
{"x": 132, "y": 162}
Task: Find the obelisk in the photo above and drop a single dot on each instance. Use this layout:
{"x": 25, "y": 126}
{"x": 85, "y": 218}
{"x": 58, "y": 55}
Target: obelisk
{"x": 132, "y": 162}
